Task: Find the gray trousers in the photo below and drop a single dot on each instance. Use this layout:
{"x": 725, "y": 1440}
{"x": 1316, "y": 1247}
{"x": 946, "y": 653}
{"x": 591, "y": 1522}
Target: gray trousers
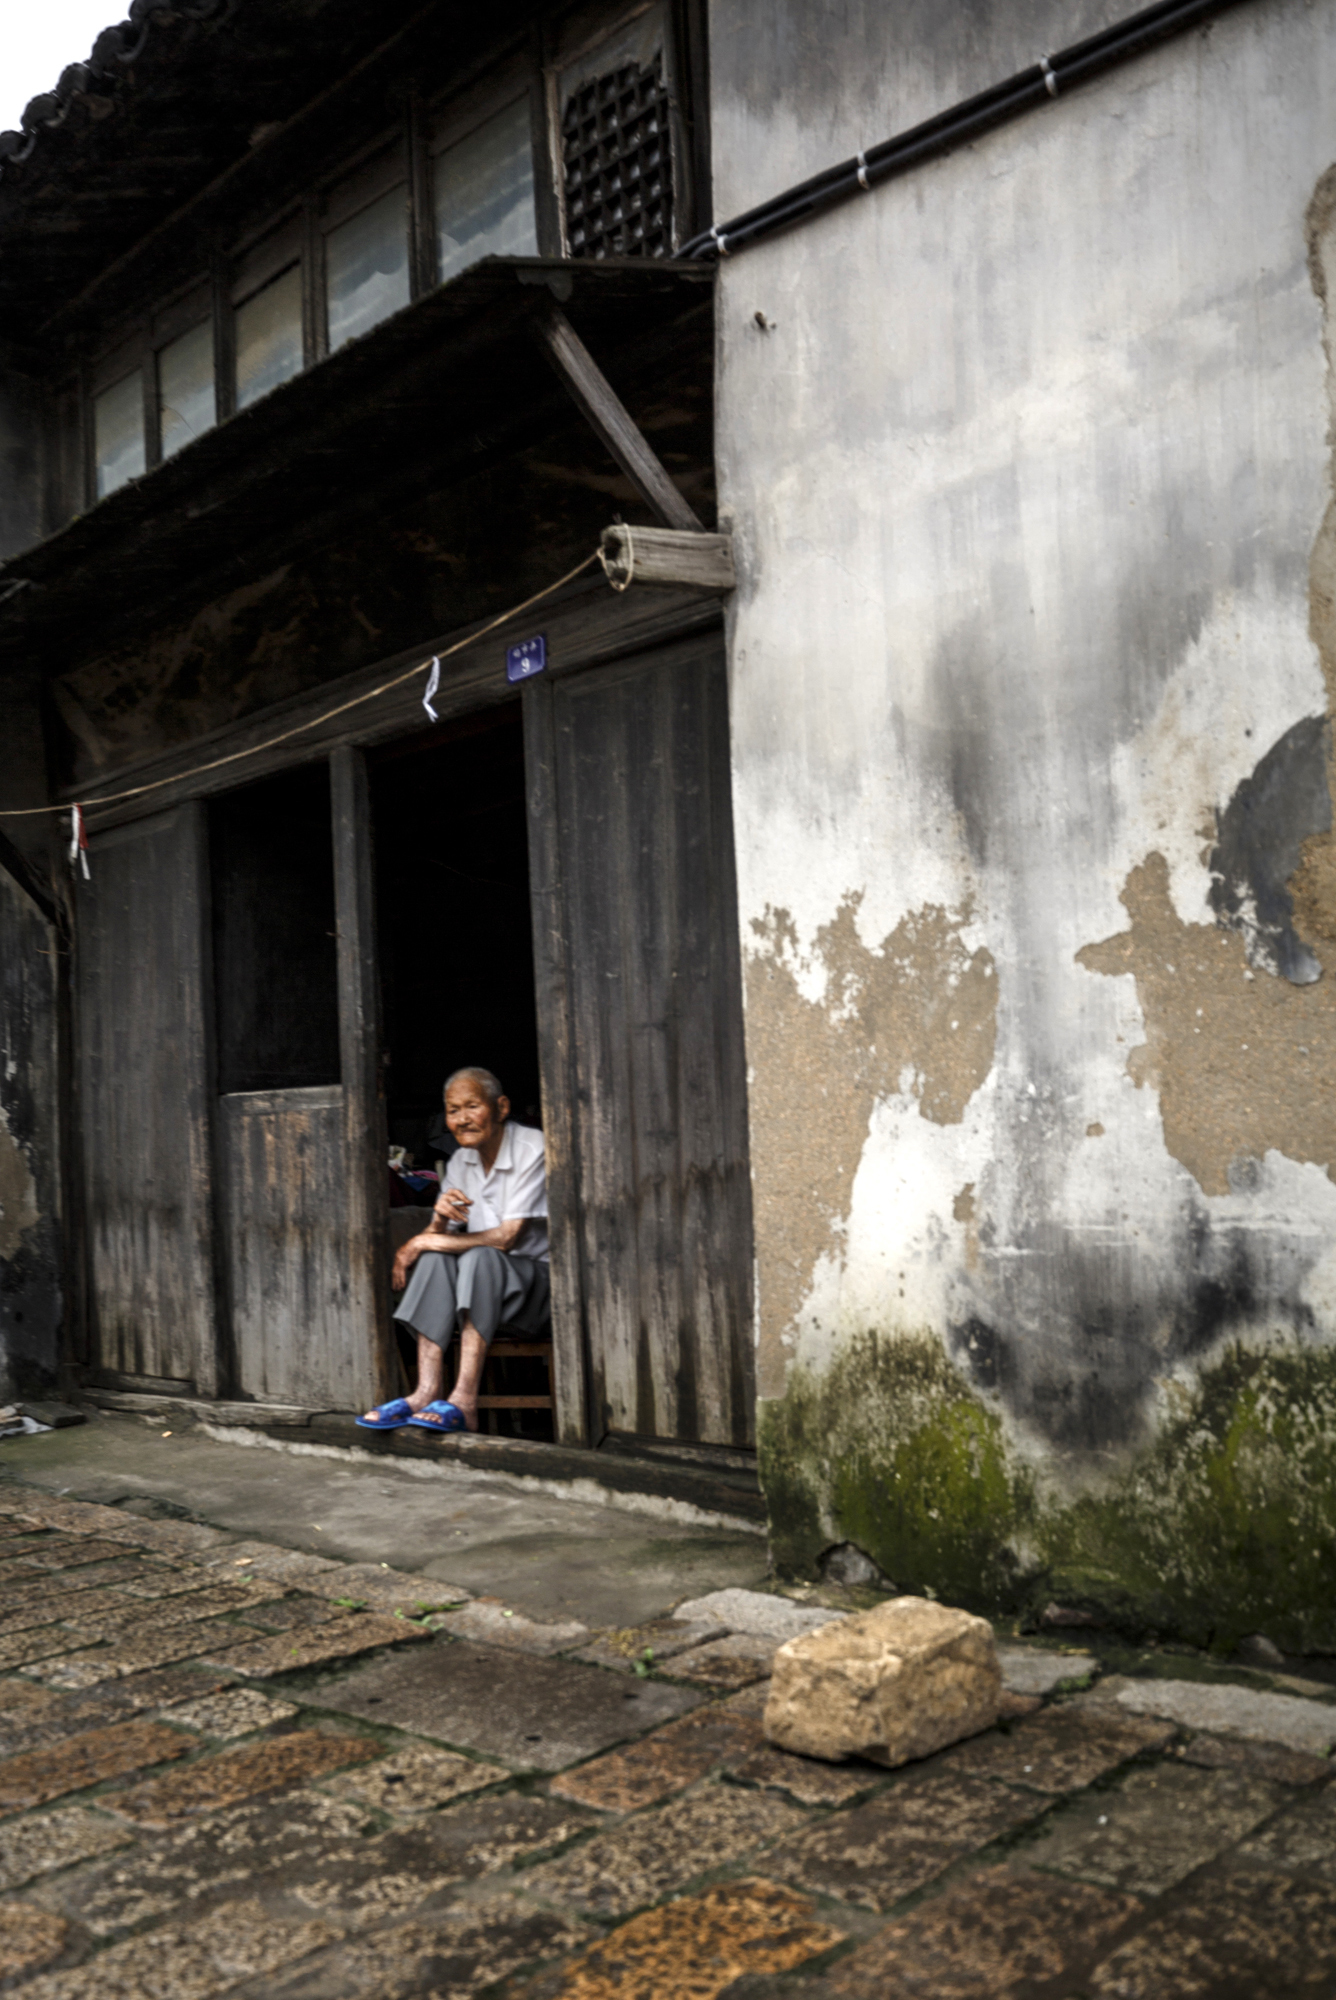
{"x": 491, "y": 1287}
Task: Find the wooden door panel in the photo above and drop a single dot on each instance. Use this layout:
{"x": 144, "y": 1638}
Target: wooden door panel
{"x": 642, "y": 798}
{"x": 142, "y": 1028}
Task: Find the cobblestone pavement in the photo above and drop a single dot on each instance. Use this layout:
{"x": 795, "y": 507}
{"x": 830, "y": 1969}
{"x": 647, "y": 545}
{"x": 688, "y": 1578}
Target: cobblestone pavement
{"x": 231, "y": 1768}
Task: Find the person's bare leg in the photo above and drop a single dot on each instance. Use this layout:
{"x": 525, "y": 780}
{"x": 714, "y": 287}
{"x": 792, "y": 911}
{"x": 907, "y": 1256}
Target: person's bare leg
{"x": 430, "y": 1369}
{"x": 472, "y": 1354}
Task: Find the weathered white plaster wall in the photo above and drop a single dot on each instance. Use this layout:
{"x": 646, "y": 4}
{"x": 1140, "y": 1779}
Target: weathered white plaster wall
{"x": 1025, "y": 471}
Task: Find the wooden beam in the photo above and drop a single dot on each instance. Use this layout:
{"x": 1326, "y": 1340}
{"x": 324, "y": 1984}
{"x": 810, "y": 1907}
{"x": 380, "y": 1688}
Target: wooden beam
{"x": 667, "y": 556}
{"x": 595, "y": 396}
{"x": 364, "y": 1134}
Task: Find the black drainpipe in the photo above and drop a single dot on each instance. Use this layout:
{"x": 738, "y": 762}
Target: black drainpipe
{"x": 1050, "y": 77}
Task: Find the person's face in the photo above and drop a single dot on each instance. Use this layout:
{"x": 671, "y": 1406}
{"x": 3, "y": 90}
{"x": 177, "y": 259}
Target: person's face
{"x": 471, "y": 1119}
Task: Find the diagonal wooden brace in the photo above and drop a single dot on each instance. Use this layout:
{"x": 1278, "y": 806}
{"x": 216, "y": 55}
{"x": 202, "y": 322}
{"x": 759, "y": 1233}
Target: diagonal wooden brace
{"x": 610, "y": 418}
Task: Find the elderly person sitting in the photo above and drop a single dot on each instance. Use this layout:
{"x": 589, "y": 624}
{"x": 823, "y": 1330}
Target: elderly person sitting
{"x": 482, "y": 1264}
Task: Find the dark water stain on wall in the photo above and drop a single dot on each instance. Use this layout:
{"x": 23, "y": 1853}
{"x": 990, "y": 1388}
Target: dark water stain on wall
{"x": 1261, "y": 835}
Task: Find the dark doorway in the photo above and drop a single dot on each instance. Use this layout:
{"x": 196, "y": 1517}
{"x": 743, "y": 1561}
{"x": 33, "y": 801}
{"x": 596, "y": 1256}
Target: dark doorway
{"x": 453, "y": 917}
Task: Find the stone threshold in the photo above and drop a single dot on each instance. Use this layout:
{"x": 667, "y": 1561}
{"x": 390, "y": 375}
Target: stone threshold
{"x": 726, "y": 1488}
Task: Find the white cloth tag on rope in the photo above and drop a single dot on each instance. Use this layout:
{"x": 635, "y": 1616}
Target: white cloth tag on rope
{"x": 433, "y": 682}
{"x": 79, "y": 842}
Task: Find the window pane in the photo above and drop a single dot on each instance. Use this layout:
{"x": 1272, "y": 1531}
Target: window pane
{"x": 484, "y": 194}
{"x": 186, "y": 403}
{"x": 118, "y": 434}
{"x": 269, "y": 337}
{"x": 366, "y": 267}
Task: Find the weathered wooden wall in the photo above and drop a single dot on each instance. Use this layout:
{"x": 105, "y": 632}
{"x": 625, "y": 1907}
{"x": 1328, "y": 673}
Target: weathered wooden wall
{"x": 30, "y": 1277}
{"x": 283, "y": 1174}
{"x": 144, "y": 1090}
{"x": 643, "y": 1060}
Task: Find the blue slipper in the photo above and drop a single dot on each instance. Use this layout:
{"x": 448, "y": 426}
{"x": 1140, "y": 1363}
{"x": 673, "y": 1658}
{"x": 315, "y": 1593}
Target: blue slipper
{"x": 388, "y": 1416}
{"x": 440, "y": 1417}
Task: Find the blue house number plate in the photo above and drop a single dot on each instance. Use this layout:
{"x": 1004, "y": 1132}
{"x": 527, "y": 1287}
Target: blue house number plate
{"x": 526, "y": 659}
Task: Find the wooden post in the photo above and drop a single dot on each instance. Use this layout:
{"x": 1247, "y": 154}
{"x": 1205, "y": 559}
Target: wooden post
{"x": 552, "y": 988}
{"x": 364, "y": 1130}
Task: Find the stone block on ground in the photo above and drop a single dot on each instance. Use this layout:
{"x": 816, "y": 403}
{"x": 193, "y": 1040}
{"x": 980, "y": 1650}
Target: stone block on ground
{"x": 1301, "y": 1840}
{"x": 1264, "y": 1760}
{"x": 233, "y": 1712}
{"x": 496, "y": 1625}
{"x": 891, "y": 1684}
{"x": 757, "y": 1612}
{"x": 339, "y": 1638}
{"x": 207, "y": 1955}
{"x": 530, "y": 1713}
{"x": 29, "y": 1939}
{"x": 1235, "y": 1711}
{"x": 713, "y": 1738}
{"x": 456, "y": 1951}
{"x": 382, "y": 1589}
{"x": 1029, "y": 1670}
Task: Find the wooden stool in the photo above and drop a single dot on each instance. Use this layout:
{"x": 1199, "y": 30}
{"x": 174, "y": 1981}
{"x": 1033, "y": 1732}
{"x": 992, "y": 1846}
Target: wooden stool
{"x": 507, "y": 1347}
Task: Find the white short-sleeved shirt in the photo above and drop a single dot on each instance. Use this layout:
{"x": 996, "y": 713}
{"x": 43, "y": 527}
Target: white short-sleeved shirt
{"x": 516, "y": 1187}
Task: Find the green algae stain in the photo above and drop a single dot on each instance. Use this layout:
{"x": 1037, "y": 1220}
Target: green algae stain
{"x": 1226, "y": 1523}
{"x": 1223, "y": 1524}
{"x": 890, "y": 1449}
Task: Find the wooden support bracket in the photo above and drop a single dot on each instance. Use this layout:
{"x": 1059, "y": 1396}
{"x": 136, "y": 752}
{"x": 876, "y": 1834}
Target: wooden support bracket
{"x": 610, "y": 418}
{"x": 667, "y": 555}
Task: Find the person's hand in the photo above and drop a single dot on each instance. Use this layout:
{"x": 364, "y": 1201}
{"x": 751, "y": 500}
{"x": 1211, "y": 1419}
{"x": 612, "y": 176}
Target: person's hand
{"x": 453, "y": 1206}
{"x": 405, "y": 1258}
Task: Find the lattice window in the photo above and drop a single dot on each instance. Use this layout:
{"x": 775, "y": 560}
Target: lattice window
{"x": 618, "y": 164}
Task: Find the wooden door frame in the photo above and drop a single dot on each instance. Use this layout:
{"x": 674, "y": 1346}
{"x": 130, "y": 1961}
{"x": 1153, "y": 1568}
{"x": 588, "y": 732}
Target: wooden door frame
{"x": 365, "y": 1133}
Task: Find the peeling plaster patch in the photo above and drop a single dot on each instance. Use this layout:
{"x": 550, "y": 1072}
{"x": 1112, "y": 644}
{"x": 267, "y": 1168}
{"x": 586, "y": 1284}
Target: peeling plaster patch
{"x": 1261, "y": 836}
{"x": 1242, "y": 1065}
{"x": 915, "y": 1016}
{"x": 18, "y": 1192}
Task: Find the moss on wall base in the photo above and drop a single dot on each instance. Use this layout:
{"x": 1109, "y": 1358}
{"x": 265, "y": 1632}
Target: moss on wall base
{"x": 1223, "y": 1525}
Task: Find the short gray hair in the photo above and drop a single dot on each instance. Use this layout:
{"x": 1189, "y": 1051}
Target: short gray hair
{"x": 486, "y": 1082}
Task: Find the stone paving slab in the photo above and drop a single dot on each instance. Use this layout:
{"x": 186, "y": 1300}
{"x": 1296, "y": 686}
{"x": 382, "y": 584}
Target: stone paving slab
{"x": 89, "y": 1667}
{"x": 1301, "y": 1840}
{"x": 1000, "y": 1930}
{"x": 420, "y": 1779}
{"x": 1029, "y": 1670}
{"x": 43, "y": 1842}
{"x": 654, "y": 1854}
{"x": 532, "y": 1714}
{"x": 755, "y": 1611}
{"x": 1232, "y": 1933}
{"x": 1156, "y": 1827}
{"x": 734, "y": 1661}
{"x": 233, "y": 1712}
{"x": 699, "y": 1945}
{"x": 47, "y": 1606}
{"x": 384, "y": 1589}
{"x": 622, "y": 1647}
{"x": 110, "y": 1701}
{"x": 1060, "y": 1749}
{"x": 1235, "y": 1711}
{"x": 29, "y": 1939}
{"x": 339, "y": 1638}
{"x": 1264, "y": 1760}
{"x": 233, "y": 1776}
{"x": 874, "y": 1854}
{"x": 220, "y": 1854}
{"x": 45, "y": 1642}
{"x": 37, "y": 1776}
{"x": 455, "y": 1952}
{"x": 189, "y": 1962}
{"x": 498, "y": 1626}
